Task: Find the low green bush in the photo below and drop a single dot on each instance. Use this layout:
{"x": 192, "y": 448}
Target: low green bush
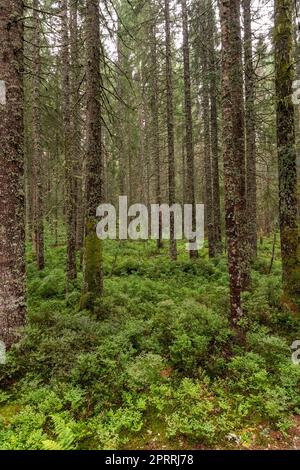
{"x": 156, "y": 360}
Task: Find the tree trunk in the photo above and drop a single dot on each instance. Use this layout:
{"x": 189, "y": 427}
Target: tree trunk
{"x": 68, "y": 154}
{"x": 190, "y": 177}
{"x": 120, "y": 117}
{"x": 36, "y": 146}
{"x": 290, "y": 242}
{"x": 297, "y": 116}
{"x": 93, "y": 278}
{"x": 76, "y": 148}
{"x": 234, "y": 150}
{"x": 170, "y": 128}
{"x": 250, "y": 131}
{"x": 207, "y": 153}
{"x": 12, "y": 204}
{"x": 214, "y": 129}
{"x": 155, "y": 126}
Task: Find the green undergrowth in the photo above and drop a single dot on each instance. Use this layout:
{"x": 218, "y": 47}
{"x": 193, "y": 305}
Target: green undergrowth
{"x": 156, "y": 365}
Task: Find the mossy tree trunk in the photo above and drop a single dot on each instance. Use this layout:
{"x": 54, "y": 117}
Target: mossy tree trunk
{"x": 92, "y": 265}
{"x": 286, "y": 140}
{"x": 12, "y": 204}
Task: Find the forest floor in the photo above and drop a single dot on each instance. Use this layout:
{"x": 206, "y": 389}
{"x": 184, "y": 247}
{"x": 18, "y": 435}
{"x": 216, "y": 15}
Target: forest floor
{"x": 273, "y": 440}
{"x": 155, "y": 367}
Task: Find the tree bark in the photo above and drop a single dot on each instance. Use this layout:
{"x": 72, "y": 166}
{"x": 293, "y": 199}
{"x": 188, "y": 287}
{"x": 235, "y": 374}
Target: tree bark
{"x": 93, "y": 278}
{"x": 121, "y": 117}
{"x": 67, "y": 147}
{"x": 12, "y": 204}
{"x": 207, "y": 146}
{"x": 36, "y": 145}
{"x": 170, "y": 128}
{"x": 76, "y": 147}
{"x": 214, "y": 129}
{"x": 155, "y": 127}
{"x": 189, "y": 141}
{"x": 250, "y": 131}
{"x": 234, "y": 150}
{"x": 289, "y": 230}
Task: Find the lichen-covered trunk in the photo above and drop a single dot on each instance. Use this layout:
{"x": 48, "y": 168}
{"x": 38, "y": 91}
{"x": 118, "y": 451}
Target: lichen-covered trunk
{"x": 284, "y": 71}
{"x": 170, "y": 127}
{"x": 251, "y": 186}
{"x": 12, "y": 213}
{"x": 189, "y": 143}
{"x": 92, "y": 265}
{"x": 214, "y": 128}
{"x": 36, "y": 142}
{"x": 68, "y": 148}
{"x": 234, "y": 150}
